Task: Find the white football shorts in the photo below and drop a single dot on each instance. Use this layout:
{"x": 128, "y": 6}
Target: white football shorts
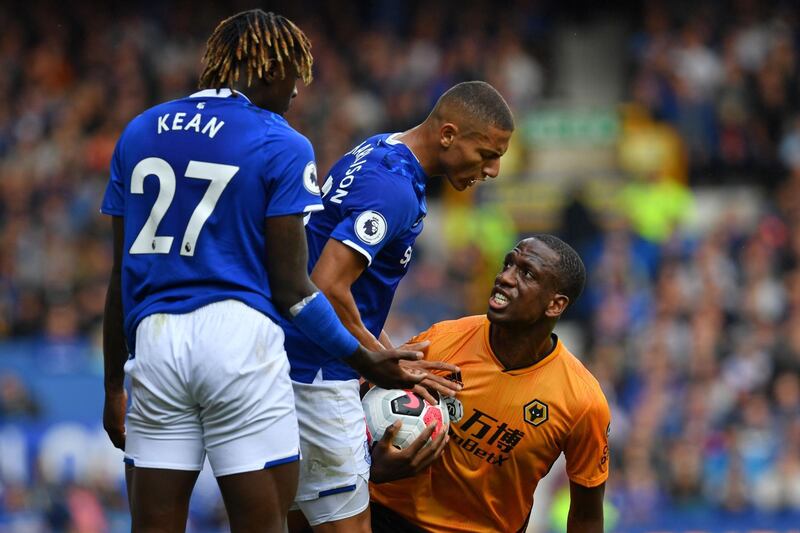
{"x": 333, "y": 439}
{"x": 336, "y": 506}
{"x": 213, "y": 381}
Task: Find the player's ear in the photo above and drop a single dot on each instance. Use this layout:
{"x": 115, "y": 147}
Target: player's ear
{"x": 273, "y": 71}
{"x": 557, "y": 306}
{"x": 447, "y": 134}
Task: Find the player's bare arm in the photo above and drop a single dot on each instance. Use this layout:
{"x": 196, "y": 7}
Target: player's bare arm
{"x": 286, "y": 260}
{"x": 384, "y": 339}
{"x": 286, "y": 265}
{"x": 338, "y": 267}
{"x": 115, "y": 352}
{"x": 585, "y": 508}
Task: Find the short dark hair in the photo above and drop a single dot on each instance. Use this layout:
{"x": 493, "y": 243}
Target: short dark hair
{"x": 570, "y": 270}
{"x": 480, "y": 101}
{"x": 252, "y": 39}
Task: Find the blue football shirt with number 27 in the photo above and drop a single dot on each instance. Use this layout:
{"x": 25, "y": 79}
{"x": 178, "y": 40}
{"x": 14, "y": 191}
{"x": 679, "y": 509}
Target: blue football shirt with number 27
{"x": 194, "y": 180}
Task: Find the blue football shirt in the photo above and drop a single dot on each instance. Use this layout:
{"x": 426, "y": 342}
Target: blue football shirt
{"x": 374, "y": 202}
{"x": 194, "y": 180}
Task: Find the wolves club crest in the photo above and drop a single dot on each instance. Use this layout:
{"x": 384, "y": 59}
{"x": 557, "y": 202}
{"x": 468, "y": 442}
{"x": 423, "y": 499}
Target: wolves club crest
{"x": 536, "y": 412}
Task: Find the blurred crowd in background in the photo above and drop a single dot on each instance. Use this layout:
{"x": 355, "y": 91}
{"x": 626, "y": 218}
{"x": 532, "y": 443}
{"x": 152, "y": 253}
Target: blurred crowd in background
{"x": 693, "y": 330}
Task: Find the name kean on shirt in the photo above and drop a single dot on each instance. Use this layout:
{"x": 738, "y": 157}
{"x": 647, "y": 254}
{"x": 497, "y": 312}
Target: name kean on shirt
{"x": 198, "y": 124}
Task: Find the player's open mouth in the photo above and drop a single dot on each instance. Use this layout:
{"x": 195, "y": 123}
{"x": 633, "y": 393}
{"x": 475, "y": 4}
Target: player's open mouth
{"x": 498, "y": 301}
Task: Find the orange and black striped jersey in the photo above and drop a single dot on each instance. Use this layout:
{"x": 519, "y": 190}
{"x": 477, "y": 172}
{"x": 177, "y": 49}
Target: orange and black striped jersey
{"x": 507, "y": 429}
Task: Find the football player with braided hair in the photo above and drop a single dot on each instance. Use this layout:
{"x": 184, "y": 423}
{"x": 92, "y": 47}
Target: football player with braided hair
{"x": 265, "y": 44}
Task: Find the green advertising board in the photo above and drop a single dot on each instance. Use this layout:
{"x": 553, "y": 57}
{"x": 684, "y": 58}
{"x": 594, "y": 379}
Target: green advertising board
{"x": 599, "y": 126}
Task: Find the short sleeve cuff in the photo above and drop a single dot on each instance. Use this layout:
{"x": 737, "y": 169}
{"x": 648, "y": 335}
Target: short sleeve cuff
{"x": 589, "y": 482}
{"x": 112, "y": 211}
{"x": 294, "y": 211}
{"x": 359, "y": 249}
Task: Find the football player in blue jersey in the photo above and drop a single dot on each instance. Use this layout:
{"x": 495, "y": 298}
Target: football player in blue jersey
{"x": 360, "y": 246}
{"x": 208, "y": 195}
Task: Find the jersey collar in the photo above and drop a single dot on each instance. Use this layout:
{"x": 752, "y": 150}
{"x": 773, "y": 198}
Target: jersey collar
{"x": 394, "y": 141}
{"x": 221, "y": 93}
{"x": 554, "y": 353}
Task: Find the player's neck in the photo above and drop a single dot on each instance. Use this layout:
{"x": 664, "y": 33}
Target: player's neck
{"x": 521, "y": 347}
{"x": 417, "y": 139}
{"x": 264, "y": 96}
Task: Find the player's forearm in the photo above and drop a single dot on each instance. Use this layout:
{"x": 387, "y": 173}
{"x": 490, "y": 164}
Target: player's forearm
{"x": 385, "y": 340}
{"x": 289, "y": 286}
{"x": 578, "y": 521}
{"x": 287, "y": 261}
{"x": 115, "y": 352}
{"x": 345, "y": 306}
{"x": 584, "y": 526}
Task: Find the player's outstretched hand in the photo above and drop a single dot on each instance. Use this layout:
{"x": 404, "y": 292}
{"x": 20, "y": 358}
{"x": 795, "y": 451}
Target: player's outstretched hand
{"x": 432, "y": 382}
{"x": 114, "y": 417}
{"x": 390, "y": 463}
{"x": 383, "y": 368}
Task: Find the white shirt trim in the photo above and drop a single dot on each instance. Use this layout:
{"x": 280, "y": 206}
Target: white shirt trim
{"x": 393, "y": 140}
{"x": 213, "y": 93}
{"x": 358, "y": 249}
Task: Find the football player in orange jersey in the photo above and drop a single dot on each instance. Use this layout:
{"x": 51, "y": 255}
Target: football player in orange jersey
{"x": 526, "y": 399}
